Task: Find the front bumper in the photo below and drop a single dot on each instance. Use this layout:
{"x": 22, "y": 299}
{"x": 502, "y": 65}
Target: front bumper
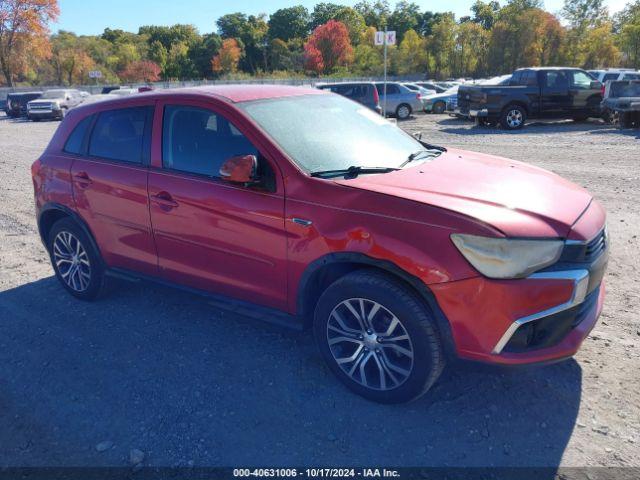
{"x": 483, "y": 113}
{"x": 44, "y": 114}
{"x": 541, "y": 318}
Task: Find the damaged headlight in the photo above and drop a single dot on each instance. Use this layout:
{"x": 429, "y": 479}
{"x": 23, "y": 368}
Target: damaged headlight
{"x": 507, "y": 257}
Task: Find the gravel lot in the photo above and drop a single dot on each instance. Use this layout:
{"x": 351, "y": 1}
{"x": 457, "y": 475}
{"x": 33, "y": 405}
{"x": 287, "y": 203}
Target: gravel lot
{"x": 165, "y": 373}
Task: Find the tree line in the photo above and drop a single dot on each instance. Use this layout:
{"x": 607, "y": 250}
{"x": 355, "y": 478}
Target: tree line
{"x": 329, "y": 40}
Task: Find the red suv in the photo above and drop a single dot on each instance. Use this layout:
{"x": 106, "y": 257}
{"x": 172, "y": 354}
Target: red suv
{"x": 306, "y": 208}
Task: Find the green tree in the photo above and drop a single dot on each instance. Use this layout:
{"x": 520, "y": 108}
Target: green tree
{"x": 375, "y": 14}
{"x": 441, "y": 44}
{"x": 485, "y": 13}
{"x": 412, "y": 54}
{"x": 323, "y": 12}
{"x": 288, "y": 23}
{"x": 406, "y": 16}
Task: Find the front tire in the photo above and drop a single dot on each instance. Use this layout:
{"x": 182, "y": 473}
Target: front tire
{"x": 76, "y": 262}
{"x": 378, "y": 337}
{"x": 403, "y": 111}
{"x": 513, "y": 117}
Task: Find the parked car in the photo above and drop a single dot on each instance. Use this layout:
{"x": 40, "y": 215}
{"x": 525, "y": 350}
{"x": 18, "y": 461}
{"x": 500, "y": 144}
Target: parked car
{"x": 441, "y": 102}
{"x": 418, "y": 89}
{"x": 431, "y": 86}
{"x": 612, "y": 74}
{"x": 397, "y": 254}
{"x": 53, "y": 104}
{"x": 109, "y": 88}
{"x": 622, "y": 102}
{"x": 401, "y": 102}
{"x": 461, "y": 109}
{"x": 361, "y": 92}
{"x": 123, "y": 92}
{"x": 534, "y": 93}
{"x": 17, "y": 103}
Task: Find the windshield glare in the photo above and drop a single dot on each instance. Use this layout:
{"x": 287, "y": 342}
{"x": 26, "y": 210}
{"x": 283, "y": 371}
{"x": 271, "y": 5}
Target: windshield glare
{"x": 329, "y": 132}
{"x": 53, "y": 94}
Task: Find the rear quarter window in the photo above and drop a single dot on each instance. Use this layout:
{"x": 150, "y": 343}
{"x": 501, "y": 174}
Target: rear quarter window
{"x": 75, "y": 141}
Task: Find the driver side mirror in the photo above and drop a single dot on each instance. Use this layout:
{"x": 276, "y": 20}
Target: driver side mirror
{"x": 240, "y": 169}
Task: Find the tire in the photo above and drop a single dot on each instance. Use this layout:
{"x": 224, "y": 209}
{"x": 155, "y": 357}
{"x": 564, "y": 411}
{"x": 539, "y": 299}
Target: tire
{"x": 403, "y": 111}
{"x": 87, "y": 282}
{"x": 395, "y": 371}
{"x": 625, "y": 120}
{"x": 438, "y": 108}
{"x": 513, "y": 117}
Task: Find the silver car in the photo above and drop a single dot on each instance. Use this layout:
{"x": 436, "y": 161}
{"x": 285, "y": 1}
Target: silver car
{"x": 53, "y": 104}
{"x": 400, "y": 101}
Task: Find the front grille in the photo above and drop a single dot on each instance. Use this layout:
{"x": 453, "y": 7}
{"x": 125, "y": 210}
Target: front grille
{"x": 40, "y": 106}
{"x": 585, "y": 252}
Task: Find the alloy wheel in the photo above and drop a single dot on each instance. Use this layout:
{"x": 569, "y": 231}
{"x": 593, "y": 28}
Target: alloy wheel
{"x": 72, "y": 261}
{"x": 404, "y": 112}
{"x": 370, "y": 344}
{"x": 514, "y": 118}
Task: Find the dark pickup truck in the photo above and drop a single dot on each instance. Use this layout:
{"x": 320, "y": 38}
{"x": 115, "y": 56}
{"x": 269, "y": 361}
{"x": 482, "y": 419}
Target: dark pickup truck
{"x": 533, "y": 93}
{"x": 622, "y": 102}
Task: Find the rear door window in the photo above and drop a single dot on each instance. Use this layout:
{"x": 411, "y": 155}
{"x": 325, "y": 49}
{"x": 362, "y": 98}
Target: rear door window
{"x": 121, "y": 134}
{"x": 556, "y": 80}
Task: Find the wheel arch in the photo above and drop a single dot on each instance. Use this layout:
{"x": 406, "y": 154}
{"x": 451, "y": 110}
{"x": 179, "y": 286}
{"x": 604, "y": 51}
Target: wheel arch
{"x": 52, "y": 212}
{"x": 322, "y": 272}
{"x": 514, "y": 103}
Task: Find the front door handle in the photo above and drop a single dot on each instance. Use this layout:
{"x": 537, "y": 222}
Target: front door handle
{"x": 164, "y": 200}
{"x": 82, "y": 179}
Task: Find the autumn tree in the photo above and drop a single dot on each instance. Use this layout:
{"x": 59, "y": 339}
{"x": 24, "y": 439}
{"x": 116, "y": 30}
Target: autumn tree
{"x": 628, "y": 23}
{"x": 227, "y": 59}
{"x": 70, "y": 58}
{"x": 328, "y": 47}
{"x": 141, "y": 71}
{"x": 23, "y": 33}
{"x": 412, "y": 54}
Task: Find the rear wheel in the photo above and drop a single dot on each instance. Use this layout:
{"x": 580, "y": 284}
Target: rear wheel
{"x": 76, "y": 262}
{"x": 439, "y": 107}
{"x": 513, "y": 117}
{"x": 403, "y": 111}
{"x": 378, "y": 337}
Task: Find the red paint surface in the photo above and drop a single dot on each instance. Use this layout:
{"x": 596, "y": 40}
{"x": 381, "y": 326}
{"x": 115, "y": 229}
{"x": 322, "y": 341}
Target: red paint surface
{"x": 239, "y": 241}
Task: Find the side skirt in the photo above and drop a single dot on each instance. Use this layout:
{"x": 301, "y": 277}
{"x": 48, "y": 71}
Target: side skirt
{"x": 240, "y": 307}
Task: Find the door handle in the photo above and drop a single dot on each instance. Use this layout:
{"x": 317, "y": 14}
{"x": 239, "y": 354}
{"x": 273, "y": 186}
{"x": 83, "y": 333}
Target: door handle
{"x": 164, "y": 200}
{"x": 82, "y": 179}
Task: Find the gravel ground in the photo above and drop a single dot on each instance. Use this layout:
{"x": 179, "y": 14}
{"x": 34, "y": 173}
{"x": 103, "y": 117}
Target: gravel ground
{"x": 165, "y": 373}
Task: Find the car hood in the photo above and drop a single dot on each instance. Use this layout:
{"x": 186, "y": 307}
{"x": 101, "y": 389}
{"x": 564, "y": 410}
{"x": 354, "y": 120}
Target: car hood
{"x": 518, "y": 199}
{"x": 44, "y": 101}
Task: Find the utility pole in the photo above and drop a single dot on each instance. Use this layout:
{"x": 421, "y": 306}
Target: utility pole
{"x": 384, "y": 108}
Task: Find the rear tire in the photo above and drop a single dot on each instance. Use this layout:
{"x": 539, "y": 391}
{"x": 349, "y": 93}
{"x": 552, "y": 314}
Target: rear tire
{"x": 389, "y": 353}
{"x": 439, "y": 108}
{"x": 75, "y": 260}
{"x": 513, "y": 117}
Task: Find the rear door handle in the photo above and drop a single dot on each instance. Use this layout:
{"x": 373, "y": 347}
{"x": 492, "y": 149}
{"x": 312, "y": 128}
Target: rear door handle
{"x": 164, "y": 200}
{"x": 82, "y": 179}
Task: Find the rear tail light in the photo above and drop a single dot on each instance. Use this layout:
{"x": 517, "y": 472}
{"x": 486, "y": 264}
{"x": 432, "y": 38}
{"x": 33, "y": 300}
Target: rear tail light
{"x": 418, "y": 96}
{"x": 602, "y": 89}
{"x": 376, "y": 96}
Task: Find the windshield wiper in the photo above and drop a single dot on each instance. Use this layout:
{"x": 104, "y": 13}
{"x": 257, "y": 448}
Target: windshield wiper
{"x": 352, "y": 172}
{"x": 420, "y": 154}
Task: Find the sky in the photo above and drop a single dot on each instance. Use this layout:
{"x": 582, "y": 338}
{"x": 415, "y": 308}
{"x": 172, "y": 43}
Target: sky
{"x": 91, "y": 17}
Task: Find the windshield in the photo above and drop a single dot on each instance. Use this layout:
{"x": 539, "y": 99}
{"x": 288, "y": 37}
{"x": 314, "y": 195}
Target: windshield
{"x": 53, "y": 94}
{"x": 329, "y": 132}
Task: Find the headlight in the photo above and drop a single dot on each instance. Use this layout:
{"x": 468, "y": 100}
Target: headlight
{"x": 507, "y": 257}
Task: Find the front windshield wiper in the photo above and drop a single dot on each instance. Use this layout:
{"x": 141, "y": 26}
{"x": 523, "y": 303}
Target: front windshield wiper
{"x": 352, "y": 172}
{"x": 420, "y": 154}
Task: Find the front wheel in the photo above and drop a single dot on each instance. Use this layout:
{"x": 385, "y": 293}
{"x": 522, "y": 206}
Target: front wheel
{"x": 513, "y": 117}
{"x": 76, "y": 262}
{"x": 378, "y": 337}
{"x": 403, "y": 111}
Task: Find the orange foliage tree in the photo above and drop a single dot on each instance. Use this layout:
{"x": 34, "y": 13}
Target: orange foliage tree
{"x": 24, "y": 33}
{"x": 328, "y": 47}
{"x": 228, "y": 57}
{"x": 141, "y": 71}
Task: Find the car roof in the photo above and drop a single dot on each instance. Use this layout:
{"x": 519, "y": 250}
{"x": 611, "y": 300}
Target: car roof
{"x": 24, "y": 93}
{"x": 537, "y": 69}
{"x": 240, "y": 93}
